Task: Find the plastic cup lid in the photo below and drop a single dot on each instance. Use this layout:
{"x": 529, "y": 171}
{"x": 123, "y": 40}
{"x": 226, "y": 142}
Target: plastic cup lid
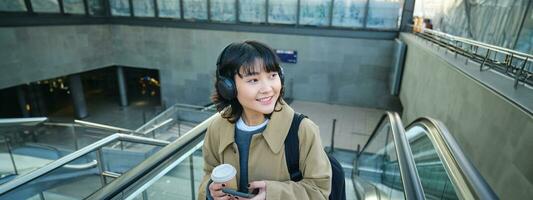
{"x": 223, "y": 173}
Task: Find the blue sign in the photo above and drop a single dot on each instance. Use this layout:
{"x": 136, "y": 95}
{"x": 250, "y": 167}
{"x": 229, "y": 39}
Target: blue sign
{"x": 287, "y": 56}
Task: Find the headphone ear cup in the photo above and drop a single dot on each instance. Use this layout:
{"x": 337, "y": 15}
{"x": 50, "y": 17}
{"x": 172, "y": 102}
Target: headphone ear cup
{"x": 226, "y": 88}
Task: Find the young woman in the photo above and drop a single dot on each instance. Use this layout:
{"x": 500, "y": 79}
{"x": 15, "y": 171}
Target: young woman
{"x": 250, "y": 131}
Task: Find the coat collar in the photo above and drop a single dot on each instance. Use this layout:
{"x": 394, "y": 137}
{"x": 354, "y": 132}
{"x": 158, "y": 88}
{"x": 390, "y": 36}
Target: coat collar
{"x": 274, "y": 134}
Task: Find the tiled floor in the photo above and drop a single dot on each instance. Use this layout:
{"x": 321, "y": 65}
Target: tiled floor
{"x": 106, "y": 110}
{"x": 353, "y": 126}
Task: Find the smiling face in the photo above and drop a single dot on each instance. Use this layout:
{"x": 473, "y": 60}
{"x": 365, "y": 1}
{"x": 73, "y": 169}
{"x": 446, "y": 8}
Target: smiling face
{"x": 257, "y": 91}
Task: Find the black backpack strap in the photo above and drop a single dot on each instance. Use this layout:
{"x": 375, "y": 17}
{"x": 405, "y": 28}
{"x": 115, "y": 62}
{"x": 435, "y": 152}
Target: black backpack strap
{"x": 292, "y": 148}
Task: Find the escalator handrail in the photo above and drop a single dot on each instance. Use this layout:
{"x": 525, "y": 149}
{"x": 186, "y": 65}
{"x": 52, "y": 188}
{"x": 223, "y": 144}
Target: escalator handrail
{"x": 31, "y": 121}
{"x": 410, "y": 179}
{"x": 104, "y": 126}
{"x": 133, "y": 175}
{"x": 19, "y": 181}
{"x": 471, "y": 175}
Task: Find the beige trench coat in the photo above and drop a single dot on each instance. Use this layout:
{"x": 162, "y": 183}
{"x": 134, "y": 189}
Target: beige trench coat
{"x": 267, "y": 157}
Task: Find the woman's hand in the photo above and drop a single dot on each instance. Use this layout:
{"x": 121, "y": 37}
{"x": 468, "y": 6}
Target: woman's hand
{"x": 261, "y": 186}
{"x": 216, "y": 191}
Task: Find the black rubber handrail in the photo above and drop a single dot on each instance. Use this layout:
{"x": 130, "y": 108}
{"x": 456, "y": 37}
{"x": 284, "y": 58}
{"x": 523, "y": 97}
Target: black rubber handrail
{"x": 476, "y": 183}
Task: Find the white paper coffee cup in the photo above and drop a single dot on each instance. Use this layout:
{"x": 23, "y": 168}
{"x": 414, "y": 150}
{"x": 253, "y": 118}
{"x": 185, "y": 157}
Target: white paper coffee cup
{"x": 225, "y": 173}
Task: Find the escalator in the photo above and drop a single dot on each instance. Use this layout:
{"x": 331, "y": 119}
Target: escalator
{"x": 423, "y": 162}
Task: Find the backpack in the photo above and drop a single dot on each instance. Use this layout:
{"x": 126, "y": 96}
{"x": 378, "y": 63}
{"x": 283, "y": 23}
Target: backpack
{"x": 292, "y": 155}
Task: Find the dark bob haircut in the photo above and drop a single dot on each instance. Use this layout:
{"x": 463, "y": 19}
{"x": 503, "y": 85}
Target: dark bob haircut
{"x": 243, "y": 55}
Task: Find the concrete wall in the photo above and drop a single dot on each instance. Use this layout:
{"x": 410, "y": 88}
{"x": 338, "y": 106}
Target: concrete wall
{"x": 493, "y": 133}
{"x": 35, "y": 53}
{"x": 332, "y": 70}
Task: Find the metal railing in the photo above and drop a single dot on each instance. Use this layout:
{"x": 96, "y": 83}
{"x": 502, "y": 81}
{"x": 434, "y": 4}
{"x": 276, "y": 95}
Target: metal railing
{"x": 138, "y": 179}
{"x": 22, "y": 121}
{"x": 9, "y": 189}
{"x": 174, "y": 116}
{"x": 514, "y": 64}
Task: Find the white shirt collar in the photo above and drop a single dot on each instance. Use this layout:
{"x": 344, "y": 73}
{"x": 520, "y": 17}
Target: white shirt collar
{"x": 242, "y": 126}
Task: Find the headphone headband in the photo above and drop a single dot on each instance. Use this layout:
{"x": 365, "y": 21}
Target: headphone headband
{"x": 226, "y": 85}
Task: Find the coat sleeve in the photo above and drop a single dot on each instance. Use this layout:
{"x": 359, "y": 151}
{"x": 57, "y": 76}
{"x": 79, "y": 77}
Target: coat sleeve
{"x": 314, "y": 165}
{"x": 211, "y": 160}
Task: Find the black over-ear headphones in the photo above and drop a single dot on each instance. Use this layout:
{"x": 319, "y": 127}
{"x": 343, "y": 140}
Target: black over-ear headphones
{"x": 226, "y": 85}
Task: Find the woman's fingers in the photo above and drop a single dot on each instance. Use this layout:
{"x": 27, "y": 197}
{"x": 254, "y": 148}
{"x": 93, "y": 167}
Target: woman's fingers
{"x": 216, "y": 186}
{"x": 261, "y": 186}
{"x": 216, "y": 190}
{"x": 257, "y": 184}
{"x": 226, "y": 197}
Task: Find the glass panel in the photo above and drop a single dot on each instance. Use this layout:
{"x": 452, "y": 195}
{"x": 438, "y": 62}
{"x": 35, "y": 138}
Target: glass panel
{"x": 34, "y": 146}
{"x": 169, "y": 8}
{"x": 74, "y": 6}
{"x": 50, "y": 6}
{"x": 384, "y": 14}
{"x": 525, "y": 39}
{"x": 314, "y": 12}
{"x": 12, "y": 5}
{"x": 252, "y": 11}
{"x": 81, "y": 177}
{"x": 62, "y": 183}
{"x": 7, "y": 169}
{"x": 433, "y": 176}
{"x": 223, "y": 10}
{"x": 86, "y": 136}
{"x": 349, "y": 13}
{"x": 96, "y": 7}
{"x": 120, "y": 7}
{"x": 195, "y": 9}
{"x": 282, "y": 11}
{"x": 378, "y": 164}
{"x": 165, "y": 186}
{"x": 143, "y": 8}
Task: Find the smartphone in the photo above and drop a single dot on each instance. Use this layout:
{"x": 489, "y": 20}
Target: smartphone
{"x": 237, "y": 193}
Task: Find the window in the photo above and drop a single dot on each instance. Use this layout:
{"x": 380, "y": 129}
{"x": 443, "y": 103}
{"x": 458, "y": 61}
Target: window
{"x": 384, "y": 14}
{"x": 195, "y": 9}
{"x": 96, "y": 7}
{"x": 169, "y": 8}
{"x": 120, "y": 7}
{"x": 51, "y": 6}
{"x": 282, "y": 11}
{"x": 223, "y": 10}
{"x": 252, "y": 11}
{"x": 314, "y": 12}
{"x": 143, "y": 8}
{"x": 12, "y": 5}
{"x": 74, "y": 6}
{"x": 349, "y": 13}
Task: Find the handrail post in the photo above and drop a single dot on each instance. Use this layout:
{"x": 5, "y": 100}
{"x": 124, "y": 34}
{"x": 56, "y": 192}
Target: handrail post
{"x": 75, "y": 135}
{"x": 484, "y": 60}
{"x": 99, "y": 159}
{"x": 11, "y": 154}
{"x": 191, "y": 167}
{"x": 145, "y": 195}
{"x": 332, "y": 146}
{"x": 518, "y": 73}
